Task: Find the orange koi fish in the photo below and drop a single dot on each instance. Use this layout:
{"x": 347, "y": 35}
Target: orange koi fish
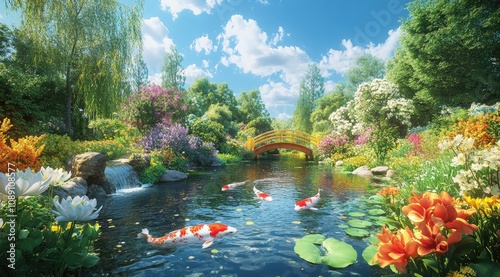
{"x": 232, "y": 185}
{"x": 308, "y": 203}
{"x": 205, "y": 233}
{"x": 262, "y": 195}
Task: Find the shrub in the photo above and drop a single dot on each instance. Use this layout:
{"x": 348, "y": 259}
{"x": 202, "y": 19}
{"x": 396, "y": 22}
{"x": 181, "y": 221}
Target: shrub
{"x": 357, "y": 161}
{"x": 20, "y": 154}
{"x": 111, "y": 148}
{"x": 58, "y": 149}
{"x": 153, "y": 105}
{"x": 474, "y": 127}
{"x": 228, "y": 158}
{"x": 333, "y": 143}
{"x": 153, "y": 173}
{"x": 107, "y": 128}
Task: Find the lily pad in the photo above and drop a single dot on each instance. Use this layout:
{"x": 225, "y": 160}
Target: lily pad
{"x": 343, "y": 226}
{"x": 356, "y": 214}
{"x": 357, "y": 232}
{"x": 369, "y": 253}
{"x": 376, "y": 212}
{"x": 357, "y": 223}
{"x": 338, "y": 254}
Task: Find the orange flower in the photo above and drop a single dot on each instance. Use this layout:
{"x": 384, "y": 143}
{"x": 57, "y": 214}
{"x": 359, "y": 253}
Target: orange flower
{"x": 389, "y": 191}
{"x": 432, "y": 239}
{"x": 396, "y": 249}
{"x": 420, "y": 208}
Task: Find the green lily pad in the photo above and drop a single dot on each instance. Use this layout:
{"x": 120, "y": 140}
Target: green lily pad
{"x": 369, "y": 253}
{"x": 357, "y": 214}
{"x": 357, "y": 232}
{"x": 357, "y": 223}
{"x": 376, "y": 212}
{"x": 343, "y": 226}
{"x": 338, "y": 254}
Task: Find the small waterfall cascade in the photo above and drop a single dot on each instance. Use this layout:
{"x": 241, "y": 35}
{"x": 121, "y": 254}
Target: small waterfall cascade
{"x": 121, "y": 175}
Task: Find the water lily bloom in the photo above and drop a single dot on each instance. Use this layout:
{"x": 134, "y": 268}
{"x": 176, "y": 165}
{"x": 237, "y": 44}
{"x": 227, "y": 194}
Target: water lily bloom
{"x": 27, "y": 183}
{"x": 57, "y": 175}
{"x": 75, "y": 209}
{"x": 396, "y": 249}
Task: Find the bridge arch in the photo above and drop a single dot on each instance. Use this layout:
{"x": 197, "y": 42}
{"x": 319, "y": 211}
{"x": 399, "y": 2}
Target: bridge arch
{"x": 288, "y": 139}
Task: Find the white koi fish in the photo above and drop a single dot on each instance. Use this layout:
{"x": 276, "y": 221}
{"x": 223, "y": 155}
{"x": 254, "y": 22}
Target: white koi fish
{"x": 232, "y": 185}
{"x": 262, "y": 195}
{"x": 205, "y": 233}
{"x": 308, "y": 203}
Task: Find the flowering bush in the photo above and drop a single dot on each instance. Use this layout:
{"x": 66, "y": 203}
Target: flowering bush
{"x": 21, "y": 154}
{"x": 176, "y": 139}
{"x": 428, "y": 244}
{"x": 476, "y": 128}
{"x": 478, "y": 168}
{"x": 154, "y": 105}
{"x": 333, "y": 143}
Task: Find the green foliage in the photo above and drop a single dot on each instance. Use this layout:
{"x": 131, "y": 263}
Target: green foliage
{"x": 107, "y": 128}
{"x": 203, "y": 93}
{"x": 233, "y": 147}
{"x": 208, "y": 131}
{"x": 42, "y": 246}
{"x": 153, "y": 173}
{"x": 111, "y": 148}
{"x": 311, "y": 89}
{"x": 338, "y": 254}
{"x": 251, "y": 106}
{"x": 172, "y": 73}
{"x": 354, "y": 162}
{"x": 366, "y": 68}
{"x": 446, "y": 52}
{"x": 221, "y": 113}
{"x": 229, "y": 158}
{"x": 325, "y": 105}
{"x": 58, "y": 149}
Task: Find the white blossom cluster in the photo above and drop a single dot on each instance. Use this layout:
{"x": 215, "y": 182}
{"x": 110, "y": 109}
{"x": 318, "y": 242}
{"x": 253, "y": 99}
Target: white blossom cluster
{"x": 476, "y": 108}
{"x": 480, "y": 167}
{"x": 375, "y": 101}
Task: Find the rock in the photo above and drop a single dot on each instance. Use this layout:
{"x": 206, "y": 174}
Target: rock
{"x": 96, "y": 191}
{"x": 75, "y": 186}
{"x": 339, "y": 163}
{"x": 90, "y": 166}
{"x": 139, "y": 161}
{"x": 172, "y": 175}
{"x": 380, "y": 170}
{"x": 390, "y": 173}
{"x": 363, "y": 171}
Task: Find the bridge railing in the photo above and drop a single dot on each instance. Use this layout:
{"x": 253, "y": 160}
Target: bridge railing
{"x": 277, "y": 136}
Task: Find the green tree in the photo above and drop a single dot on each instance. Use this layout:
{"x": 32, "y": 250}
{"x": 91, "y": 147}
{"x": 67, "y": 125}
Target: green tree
{"x": 311, "y": 88}
{"x": 208, "y": 131}
{"x": 221, "y": 114}
{"x": 89, "y": 43}
{"x": 139, "y": 74}
{"x": 449, "y": 54}
{"x": 325, "y": 105}
{"x": 251, "y": 106}
{"x": 203, "y": 93}
{"x": 366, "y": 68}
{"x": 172, "y": 71}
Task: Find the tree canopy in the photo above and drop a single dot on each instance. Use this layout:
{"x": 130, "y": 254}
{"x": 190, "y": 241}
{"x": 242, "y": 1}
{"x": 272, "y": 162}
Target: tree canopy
{"x": 311, "y": 88}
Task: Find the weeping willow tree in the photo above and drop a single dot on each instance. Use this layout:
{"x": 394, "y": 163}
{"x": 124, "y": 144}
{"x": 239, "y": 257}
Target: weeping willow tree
{"x": 89, "y": 43}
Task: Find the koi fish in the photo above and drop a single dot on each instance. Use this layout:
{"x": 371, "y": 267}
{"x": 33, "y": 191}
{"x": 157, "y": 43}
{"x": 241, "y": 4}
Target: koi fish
{"x": 262, "y": 195}
{"x": 232, "y": 185}
{"x": 308, "y": 203}
{"x": 202, "y": 232}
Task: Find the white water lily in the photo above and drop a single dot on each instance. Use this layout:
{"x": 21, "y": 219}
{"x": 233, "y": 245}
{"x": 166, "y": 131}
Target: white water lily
{"x": 57, "y": 176}
{"x": 75, "y": 209}
{"x": 27, "y": 183}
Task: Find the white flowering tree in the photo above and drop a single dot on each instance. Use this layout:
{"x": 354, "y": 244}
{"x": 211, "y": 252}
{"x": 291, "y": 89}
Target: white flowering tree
{"x": 378, "y": 105}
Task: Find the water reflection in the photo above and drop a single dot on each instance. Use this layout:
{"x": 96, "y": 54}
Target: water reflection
{"x": 266, "y": 234}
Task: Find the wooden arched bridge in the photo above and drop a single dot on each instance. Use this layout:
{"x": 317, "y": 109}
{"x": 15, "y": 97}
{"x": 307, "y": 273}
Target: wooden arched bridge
{"x": 289, "y": 139}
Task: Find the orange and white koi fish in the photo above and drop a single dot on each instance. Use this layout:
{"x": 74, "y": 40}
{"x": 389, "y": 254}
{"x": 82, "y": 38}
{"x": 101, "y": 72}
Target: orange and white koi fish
{"x": 308, "y": 203}
{"x": 205, "y": 233}
{"x": 262, "y": 195}
{"x": 232, "y": 185}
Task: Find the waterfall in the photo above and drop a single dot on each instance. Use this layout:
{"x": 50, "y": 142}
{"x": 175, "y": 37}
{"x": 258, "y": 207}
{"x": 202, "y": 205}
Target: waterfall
{"x": 121, "y": 175}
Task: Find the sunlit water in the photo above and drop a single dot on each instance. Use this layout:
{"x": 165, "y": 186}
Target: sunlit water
{"x": 264, "y": 243}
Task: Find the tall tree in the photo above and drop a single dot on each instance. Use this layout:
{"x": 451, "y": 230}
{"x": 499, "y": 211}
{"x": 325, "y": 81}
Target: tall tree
{"x": 139, "y": 73}
{"x": 251, "y": 106}
{"x": 311, "y": 88}
{"x": 203, "y": 93}
{"x": 450, "y": 52}
{"x": 172, "y": 71}
{"x": 366, "y": 68}
{"x": 90, "y": 43}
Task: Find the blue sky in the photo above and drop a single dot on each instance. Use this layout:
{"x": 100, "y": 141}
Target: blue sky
{"x": 266, "y": 44}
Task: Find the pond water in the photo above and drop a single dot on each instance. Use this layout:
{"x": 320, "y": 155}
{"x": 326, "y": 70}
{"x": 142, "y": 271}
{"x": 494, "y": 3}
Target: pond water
{"x": 267, "y": 231}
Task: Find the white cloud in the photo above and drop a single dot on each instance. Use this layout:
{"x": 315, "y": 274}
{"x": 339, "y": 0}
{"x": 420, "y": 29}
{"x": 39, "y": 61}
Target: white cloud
{"x": 279, "y": 95}
{"x": 205, "y": 63}
{"x": 155, "y": 79}
{"x": 193, "y": 72}
{"x": 342, "y": 60}
{"x": 203, "y": 43}
{"x": 247, "y": 47}
{"x": 156, "y": 43}
{"x": 196, "y": 6}
{"x": 277, "y": 37}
